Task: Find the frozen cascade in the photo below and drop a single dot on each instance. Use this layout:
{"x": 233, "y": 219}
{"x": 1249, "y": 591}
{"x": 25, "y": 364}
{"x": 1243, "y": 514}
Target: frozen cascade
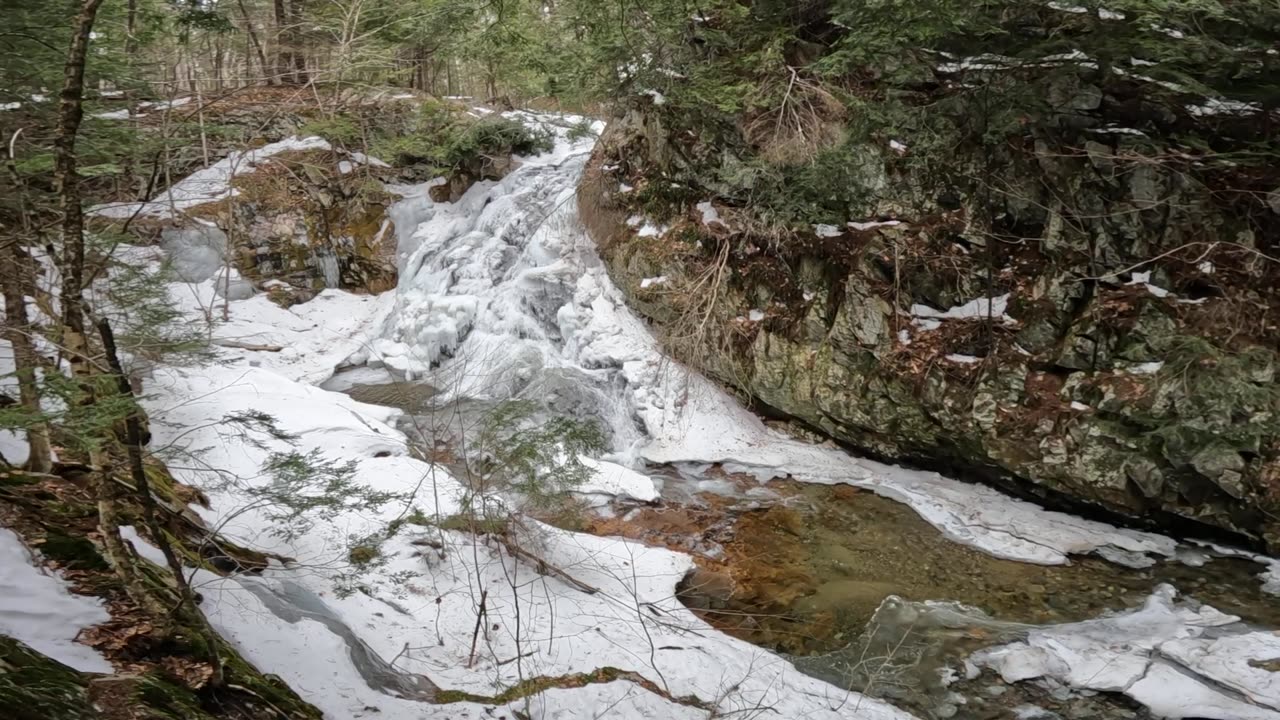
{"x": 502, "y": 295}
{"x": 327, "y": 261}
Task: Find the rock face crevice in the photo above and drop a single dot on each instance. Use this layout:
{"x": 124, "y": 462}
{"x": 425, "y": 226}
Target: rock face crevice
{"x": 1069, "y": 323}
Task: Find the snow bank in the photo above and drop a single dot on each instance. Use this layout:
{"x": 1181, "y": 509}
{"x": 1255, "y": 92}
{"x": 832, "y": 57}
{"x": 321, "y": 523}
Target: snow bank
{"x": 37, "y": 609}
{"x": 613, "y": 480}
{"x": 214, "y": 182}
{"x": 304, "y": 343}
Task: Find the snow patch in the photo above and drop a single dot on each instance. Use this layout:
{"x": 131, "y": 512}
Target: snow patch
{"x": 1144, "y": 278}
{"x": 710, "y": 215}
{"x": 166, "y": 104}
{"x": 116, "y": 115}
{"x": 209, "y": 184}
{"x": 873, "y": 224}
{"x": 1218, "y": 106}
{"x": 1146, "y": 368}
{"x": 651, "y": 230}
{"x": 37, "y": 608}
{"x": 658, "y": 98}
{"x": 977, "y": 309}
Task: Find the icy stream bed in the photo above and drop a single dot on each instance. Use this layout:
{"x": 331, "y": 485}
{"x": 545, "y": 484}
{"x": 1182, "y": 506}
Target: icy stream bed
{"x": 502, "y": 296}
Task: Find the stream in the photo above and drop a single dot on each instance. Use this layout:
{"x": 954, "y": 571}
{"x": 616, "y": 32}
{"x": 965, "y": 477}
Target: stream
{"x": 878, "y": 579}
{"x": 859, "y": 590}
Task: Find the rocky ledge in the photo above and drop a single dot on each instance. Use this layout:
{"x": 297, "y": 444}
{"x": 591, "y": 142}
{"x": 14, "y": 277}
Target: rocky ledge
{"x": 1092, "y": 331}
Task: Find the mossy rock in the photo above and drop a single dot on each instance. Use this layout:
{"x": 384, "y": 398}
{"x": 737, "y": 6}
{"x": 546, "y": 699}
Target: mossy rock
{"x": 74, "y": 553}
{"x": 35, "y": 687}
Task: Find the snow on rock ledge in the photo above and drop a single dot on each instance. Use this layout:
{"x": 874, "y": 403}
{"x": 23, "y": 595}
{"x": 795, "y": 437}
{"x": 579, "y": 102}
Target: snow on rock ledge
{"x": 208, "y": 185}
{"x": 615, "y": 481}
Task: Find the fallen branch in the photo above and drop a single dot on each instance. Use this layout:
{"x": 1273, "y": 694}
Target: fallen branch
{"x": 546, "y": 567}
{"x": 247, "y": 346}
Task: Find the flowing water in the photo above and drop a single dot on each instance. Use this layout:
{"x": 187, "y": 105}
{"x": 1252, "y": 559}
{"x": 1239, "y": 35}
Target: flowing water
{"x": 502, "y": 296}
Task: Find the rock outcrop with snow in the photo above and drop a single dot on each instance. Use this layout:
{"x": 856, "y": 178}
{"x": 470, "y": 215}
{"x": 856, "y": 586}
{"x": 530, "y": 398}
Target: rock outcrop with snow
{"x": 1045, "y": 310}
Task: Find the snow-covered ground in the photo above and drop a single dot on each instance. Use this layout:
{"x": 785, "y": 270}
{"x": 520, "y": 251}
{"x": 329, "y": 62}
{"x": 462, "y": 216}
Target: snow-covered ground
{"x": 502, "y": 295}
{"x": 37, "y": 608}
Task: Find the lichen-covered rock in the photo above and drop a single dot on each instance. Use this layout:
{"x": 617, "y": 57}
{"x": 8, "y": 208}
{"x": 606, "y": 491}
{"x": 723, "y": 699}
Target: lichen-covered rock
{"x": 296, "y": 222}
{"x": 311, "y": 220}
{"x": 1131, "y": 365}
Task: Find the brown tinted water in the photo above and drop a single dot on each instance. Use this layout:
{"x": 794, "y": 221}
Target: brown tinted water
{"x": 803, "y": 573}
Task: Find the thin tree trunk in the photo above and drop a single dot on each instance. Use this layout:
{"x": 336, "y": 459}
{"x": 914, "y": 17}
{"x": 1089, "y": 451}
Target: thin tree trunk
{"x": 130, "y": 28}
{"x": 17, "y": 330}
{"x": 121, "y": 560}
{"x": 295, "y": 43}
{"x": 217, "y": 62}
{"x": 283, "y": 62}
{"x": 128, "y": 171}
{"x": 142, "y": 485}
{"x": 257, "y": 45}
{"x": 67, "y": 179}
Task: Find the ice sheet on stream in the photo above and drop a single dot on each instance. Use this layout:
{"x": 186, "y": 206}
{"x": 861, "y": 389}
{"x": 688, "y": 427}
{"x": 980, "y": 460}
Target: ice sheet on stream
{"x": 1179, "y": 658}
{"x": 413, "y": 616}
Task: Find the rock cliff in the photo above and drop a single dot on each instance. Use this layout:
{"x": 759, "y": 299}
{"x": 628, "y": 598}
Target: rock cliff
{"x": 1057, "y": 278}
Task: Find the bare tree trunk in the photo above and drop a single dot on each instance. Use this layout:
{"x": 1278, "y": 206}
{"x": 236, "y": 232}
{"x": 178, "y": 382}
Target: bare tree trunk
{"x": 130, "y": 28}
{"x": 257, "y": 45}
{"x": 217, "y": 62}
{"x": 128, "y": 171}
{"x": 283, "y": 61}
{"x": 295, "y": 43}
{"x": 118, "y": 555}
{"x": 17, "y": 330}
{"x": 67, "y": 179}
{"x": 142, "y": 485}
